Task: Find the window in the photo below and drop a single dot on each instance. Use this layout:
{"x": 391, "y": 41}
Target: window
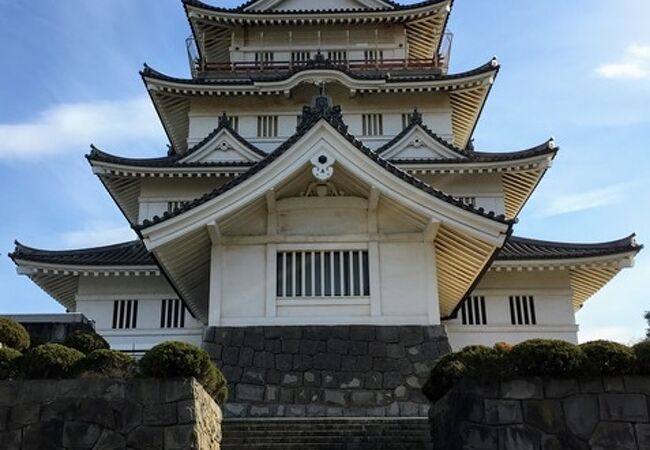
{"x": 175, "y": 204}
{"x": 125, "y": 314}
{"x": 267, "y": 126}
{"x": 337, "y": 55}
{"x": 372, "y": 124}
{"x": 329, "y": 273}
{"x": 373, "y": 56}
{"x": 406, "y": 120}
{"x": 473, "y": 311}
{"x": 263, "y": 58}
{"x": 300, "y": 57}
{"x": 234, "y": 122}
{"x": 172, "y": 313}
{"x": 522, "y": 310}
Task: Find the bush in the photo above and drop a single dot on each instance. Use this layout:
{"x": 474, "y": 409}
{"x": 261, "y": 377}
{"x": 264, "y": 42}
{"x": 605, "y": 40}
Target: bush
{"x": 50, "y": 361}
{"x": 107, "y": 363}
{"x": 546, "y": 357}
{"x": 607, "y": 358}
{"x": 85, "y": 341}
{"x": 13, "y": 334}
{"x": 642, "y": 353}
{"x": 447, "y": 371}
{"x": 9, "y": 358}
{"x": 179, "y": 359}
{"x": 484, "y": 362}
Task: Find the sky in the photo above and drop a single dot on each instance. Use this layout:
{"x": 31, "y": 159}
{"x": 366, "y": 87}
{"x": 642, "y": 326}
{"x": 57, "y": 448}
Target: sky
{"x": 578, "y": 71}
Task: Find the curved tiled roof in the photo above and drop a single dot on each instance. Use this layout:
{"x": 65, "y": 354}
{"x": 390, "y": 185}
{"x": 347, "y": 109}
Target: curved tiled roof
{"x": 132, "y": 253}
{"x": 242, "y": 8}
{"x": 320, "y": 63}
{"x": 322, "y": 110}
{"x": 519, "y": 249}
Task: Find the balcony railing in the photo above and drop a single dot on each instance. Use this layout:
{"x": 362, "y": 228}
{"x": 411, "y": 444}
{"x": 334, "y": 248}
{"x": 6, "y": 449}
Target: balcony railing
{"x": 201, "y": 67}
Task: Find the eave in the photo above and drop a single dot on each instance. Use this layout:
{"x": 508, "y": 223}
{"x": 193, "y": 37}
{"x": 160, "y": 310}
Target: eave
{"x": 467, "y": 92}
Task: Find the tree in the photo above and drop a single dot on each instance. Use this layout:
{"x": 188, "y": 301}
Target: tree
{"x": 647, "y": 331}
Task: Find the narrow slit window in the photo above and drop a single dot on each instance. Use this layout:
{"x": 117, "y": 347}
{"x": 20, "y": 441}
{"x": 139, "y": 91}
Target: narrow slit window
{"x": 473, "y": 312}
{"x": 172, "y": 313}
{"x": 522, "y": 310}
{"x": 125, "y": 314}
{"x": 372, "y": 124}
{"x": 267, "y": 126}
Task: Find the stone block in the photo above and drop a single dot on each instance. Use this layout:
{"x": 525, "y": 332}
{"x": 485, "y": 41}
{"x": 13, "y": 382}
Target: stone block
{"x": 295, "y": 411}
{"x": 311, "y": 378}
{"x": 290, "y": 345}
{"x": 364, "y": 363}
{"x": 254, "y": 376}
{"x": 411, "y": 335}
{"x": 623, "y": 407}
{"x": 503, "y": 412}
{"x": 160, "y": 414}
{"x": 43, "y": 435}
{"x": 362, "y": 333}
{"x": 230, "y": 355}
{"x": 40, "y": 391}
{"x": 388, "y": 334}
{"x": 413, "y": 382}
{"x": 98, "y": 411}
{"x": 11, "y": 440}
{"x": 582, "y": 416}
{"x": 284, "y": 362}
{"x": 80, "y": 434}
{"x": 310, "y": 347}
{"x": 363, "y": 398}
{"x": 591, "y": 385}
{"x": 545, "y": 415}
{"x": 349, "y": 363}
{"x": 395, "y": 351}
{"x": 377, "y": 411}
{"x": 264, "y": 360}
{"x": 384, "y": 364}
{"x": 237, "y": 336}
{"x": 334, "y": 397}
{"x": 273, "y": 376}
{"x": 430, "y": 350}
{"x": 339, "y": 346}
{"x": 302, "y": 362}
{"x": 24, "y": 414}
{"x": 377, "y": 349}
{"x": 421, "y": 369}
{"x": 254, "y": 339}
{"x": 272, "y": 394}
{"x": 186, "y": 411}
{"x": 409, "y": 409}
{"x": 400, "y": 392}
{"x": 334, "y": 411}
{"x": 478, "y": 437}
{"x": 350, "y": 380}
{"x": 519, "y": 438}
{"x": 643, "y": 435}
{"x": 232, "y": 373}
{"x": 558, "y": 388}
{"x": 636, "y": 384}
{"x": 214, "y": 350}
{"x": 110, "y": 440}
{"x": 611, "y": 435}
{"x": 273, "y": 346}
{"x": 316, "y": 410}
{"x": 613, "y": 384}
{"x": 358, "y": 348}
{"x": 522, "y": 389}
{"x": 292, "y": 379}
{"x": 235, "y": 409}
{"x": 260, "y": 411}
{"x": 373, "y": 380}
{"x": 563, "y": 441}
{"x": 317, "y": 333}
{"x": 392, "y": 380}
{"x": 286, "y": 395}
{"x": 145, "y": 438}
{"x": 327, "y": 361}
{"x": 249, "y": 392}
{"x": 246, "y": 357}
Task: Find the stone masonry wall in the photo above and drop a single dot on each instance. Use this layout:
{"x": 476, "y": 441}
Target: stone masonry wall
{"x": 107, "y": 414}
{"x": 300, "y": 371}
{"x": 533, "y": 414}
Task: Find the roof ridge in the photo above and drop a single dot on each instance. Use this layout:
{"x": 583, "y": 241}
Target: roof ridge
{"x": 394, "y": 6}
{"x": 629, "y": 241}
{"x": 33, "y": 250}
{"x": 322, "y": 109}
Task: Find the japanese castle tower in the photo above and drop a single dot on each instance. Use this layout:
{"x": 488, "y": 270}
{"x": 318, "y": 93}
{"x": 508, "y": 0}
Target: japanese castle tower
{"x": 322, "y": 224}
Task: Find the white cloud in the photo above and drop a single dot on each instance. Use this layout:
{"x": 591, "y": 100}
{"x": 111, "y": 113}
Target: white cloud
{"x": 72, "y": 127}
{"x": 96, "y": 234}
{"x": 635, "y": 64}
{"x": 568, "y": 203}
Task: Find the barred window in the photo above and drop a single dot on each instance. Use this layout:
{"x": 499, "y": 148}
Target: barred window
{"x": 125, "y": 314}
{"x": 234, "y": 122}
{"x": 471, "y": 201}
{"x": 373, "y": 56}
{"x": 337, "y": 55}
{"x": 267, "y": 126}
{"x": 262, "y": 58}
{"x": 372, "y": 124}
{"x": 473, "y": 311}
{"x": 522, "y": 310}
{"x": 406, "y": 120}
{"x": 338, "y": 273}
{"x": 300, "y": 57}
{"x": 172, "y": 313}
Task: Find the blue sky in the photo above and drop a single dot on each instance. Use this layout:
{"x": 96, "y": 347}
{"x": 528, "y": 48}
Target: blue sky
{"x": 579, "y": 71}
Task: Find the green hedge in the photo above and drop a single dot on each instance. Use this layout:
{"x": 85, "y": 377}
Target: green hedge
{"x": 106, "y": 363}
{"x": 536, "y": 358}
{"x": 50, "y": 361}
{"x": 179, "y": 359}
{"x": 85, "y": 341}
{"x": 9, "y": 358}
{"x": 13, "y": 334}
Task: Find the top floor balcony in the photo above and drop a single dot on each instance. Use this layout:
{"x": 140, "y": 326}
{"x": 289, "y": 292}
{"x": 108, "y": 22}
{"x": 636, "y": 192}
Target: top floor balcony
{"x": 267, "y": 62}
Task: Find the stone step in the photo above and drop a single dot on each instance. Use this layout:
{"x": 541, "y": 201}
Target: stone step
{"x": 325, "y": 433}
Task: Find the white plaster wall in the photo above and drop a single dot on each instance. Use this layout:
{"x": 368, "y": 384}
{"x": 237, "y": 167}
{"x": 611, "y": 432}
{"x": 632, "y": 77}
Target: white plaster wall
{"x": 243, "y": 289}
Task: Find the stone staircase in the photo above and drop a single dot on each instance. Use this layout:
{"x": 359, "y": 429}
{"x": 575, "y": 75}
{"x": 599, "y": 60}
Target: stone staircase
{"x": 327, "y": 433}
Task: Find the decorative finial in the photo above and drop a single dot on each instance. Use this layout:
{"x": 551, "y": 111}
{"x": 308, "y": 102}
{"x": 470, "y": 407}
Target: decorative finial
{"x": 494, "y": 62}
{"x": 322, "y": 169}
{"x": 551, "y": 143}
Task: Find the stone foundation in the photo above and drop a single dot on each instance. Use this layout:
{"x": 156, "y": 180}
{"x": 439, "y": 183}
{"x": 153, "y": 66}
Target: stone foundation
{"x": 99, "y": 413}
{"x": 531, "y": 413}
{"x": 317, "y": 371}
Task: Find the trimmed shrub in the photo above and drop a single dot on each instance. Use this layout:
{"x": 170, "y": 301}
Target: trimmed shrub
{"x": 502, "y": 347}
{"x": 85, "y": 341}
{"x": 106, "y": 363}
{"x": 13, "y": 334}
{"x": 484, "y": 362}
{"x": 546, "y": 357}
{"x": 642, "y": 353}
{"x": 447, "y": 371}
{"x": 50, "y": 361}
{"x": 179, "y": 359}
{"x": 607, "y": 358}
{"x": 9, "y": 358}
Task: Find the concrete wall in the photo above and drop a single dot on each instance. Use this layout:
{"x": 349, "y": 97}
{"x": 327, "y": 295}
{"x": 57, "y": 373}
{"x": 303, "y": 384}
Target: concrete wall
{"x": 328, "y": 371}
{"x": 108, "y": 414}
{"x": 583, "y": 414}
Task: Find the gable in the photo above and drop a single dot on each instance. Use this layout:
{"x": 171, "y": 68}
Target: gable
{"x": 222, "y": 147}
{"x": 417, "y": 144}
{"x": 310, "y": 5}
